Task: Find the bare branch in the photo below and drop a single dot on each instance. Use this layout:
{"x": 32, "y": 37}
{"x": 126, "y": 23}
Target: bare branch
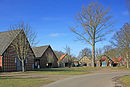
{"x": 93, "y": 19}
{"x": 23, "y": 37}
{"x": 73, "y": 30}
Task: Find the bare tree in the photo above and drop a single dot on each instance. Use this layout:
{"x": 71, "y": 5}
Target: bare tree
{"x": 99, "y": 52}
{"x": 110, "y": 51}
{"x": 113, "y": 52}
{"x": 85, "y": 52}
{"x": 68, "y": 57}
{"x": 67, "y": 50}
{"x": 94, "y": 22}
{"x": 121, "y": 40}
{"x": 24, "y": 40}
{"x": 106, "y": 48}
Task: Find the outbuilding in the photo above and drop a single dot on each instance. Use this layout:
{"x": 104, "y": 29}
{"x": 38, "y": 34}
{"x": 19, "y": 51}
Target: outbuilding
{"x": 45, "y": 57}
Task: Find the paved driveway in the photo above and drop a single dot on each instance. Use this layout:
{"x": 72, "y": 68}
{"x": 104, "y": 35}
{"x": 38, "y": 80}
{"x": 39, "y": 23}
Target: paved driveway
{"x": 89, "y": 80}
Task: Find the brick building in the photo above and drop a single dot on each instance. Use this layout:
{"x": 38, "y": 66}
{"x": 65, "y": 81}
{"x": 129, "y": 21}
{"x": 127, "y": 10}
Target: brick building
{"x": 45, "y": 57}
{"x": 8, "y": 56}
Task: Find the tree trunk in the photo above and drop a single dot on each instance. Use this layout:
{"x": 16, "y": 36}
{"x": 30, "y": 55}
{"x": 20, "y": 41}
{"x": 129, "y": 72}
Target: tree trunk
{"x": 127, "y": 54}
{"x": 23, "y": 68}
{"x": 127, "y": 61}
{"x": 93, "y": 56}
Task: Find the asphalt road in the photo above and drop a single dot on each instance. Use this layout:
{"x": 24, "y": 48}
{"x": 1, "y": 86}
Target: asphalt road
{"x": 89, "y": 80}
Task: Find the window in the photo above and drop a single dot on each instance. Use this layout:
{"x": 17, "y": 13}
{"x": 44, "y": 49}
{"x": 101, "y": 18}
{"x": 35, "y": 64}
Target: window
{"x": 26, "y": 61}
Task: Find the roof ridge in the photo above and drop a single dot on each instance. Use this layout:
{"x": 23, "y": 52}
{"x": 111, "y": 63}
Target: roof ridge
{"x": 8, "y": 31}
{"x": 6, "y": 41}
{"x": 42, "y": 46}
{"x": 39, "y": 51}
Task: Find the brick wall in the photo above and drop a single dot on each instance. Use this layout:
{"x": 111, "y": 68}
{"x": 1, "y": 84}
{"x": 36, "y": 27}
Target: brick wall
{"x": 9, "y": 59}
{"x": 9, "y": 62}
{"x": 30, "y": 60}
{"x": 0, "y": 63}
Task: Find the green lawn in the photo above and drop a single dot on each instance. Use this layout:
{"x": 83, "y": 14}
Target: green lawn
{"x": 64, "y": 71}
{"x": 120, "y": 68}
{"x": 60, "y": 71}
{"x": 126, "y": 81}
{"x": 36, "y": 82}
{"x": 57, "y": 72}
{"x": 115, "y": 68}
{"x": 71, "y": 69}
{"x": 22, "y": 82}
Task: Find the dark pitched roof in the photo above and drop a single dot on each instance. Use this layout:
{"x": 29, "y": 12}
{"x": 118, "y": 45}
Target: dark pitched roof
{"x": 38, "y": 51}
{"x": 5, "y": 40}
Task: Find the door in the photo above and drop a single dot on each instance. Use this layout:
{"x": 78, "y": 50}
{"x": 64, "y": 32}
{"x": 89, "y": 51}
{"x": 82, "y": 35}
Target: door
{"x": 49, "y": 65}
{"x": 66, "y": 64}
{"x": 103, "y": 63}
{"x": 18, "y": 64}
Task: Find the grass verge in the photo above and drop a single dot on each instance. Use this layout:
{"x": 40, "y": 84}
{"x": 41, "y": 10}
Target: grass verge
{"x": 22, "y": 82}
{"x": 64, "y": 71}
{"x": 120, "y": 68}
{"x": 60, "y": 71}
{"x": 57, "y": 72}
{"x": 126, "y": 81}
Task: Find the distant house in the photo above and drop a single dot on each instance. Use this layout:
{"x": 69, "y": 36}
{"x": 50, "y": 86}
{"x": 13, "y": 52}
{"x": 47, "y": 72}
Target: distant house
{"x": 119, "y": 61}
{"x": 8, "y": 56}
{"x": 75, "y": 62}
{"x": 45, "y": 57}
{"x": 85, "y": 61}
{"x": 65, "y": 61}
{"x": 104, "y": 61}
{"x": 115, "y": 61}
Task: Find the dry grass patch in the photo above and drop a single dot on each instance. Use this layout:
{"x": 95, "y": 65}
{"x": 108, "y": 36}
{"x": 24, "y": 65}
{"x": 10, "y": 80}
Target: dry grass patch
{"x": 126, "y": 81}
{"x": 22, "y": 82}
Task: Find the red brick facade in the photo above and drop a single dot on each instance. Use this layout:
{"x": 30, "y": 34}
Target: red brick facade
{"x": 0, "y": 63}
{"x": 9, "y": 60}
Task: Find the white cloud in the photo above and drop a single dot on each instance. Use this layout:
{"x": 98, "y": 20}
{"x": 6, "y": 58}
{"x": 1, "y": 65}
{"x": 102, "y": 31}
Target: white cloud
{"x": 56, "y": 34}
{"x": 125, "y": 13}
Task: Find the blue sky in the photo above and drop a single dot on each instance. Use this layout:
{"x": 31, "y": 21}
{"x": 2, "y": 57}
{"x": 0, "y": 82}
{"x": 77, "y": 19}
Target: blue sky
{"x": 51, "y": 19}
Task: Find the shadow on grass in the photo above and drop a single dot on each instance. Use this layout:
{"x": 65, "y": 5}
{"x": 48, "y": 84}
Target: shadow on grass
{"x": 10, "y": 77}
{"x": 55, "y": 69}
{"x": 66, "y": 69}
